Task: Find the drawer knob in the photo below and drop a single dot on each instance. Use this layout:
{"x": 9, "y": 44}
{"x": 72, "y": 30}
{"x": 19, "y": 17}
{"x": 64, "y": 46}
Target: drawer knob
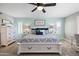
{"x": 48, "y": 47}
{"x": 29, "y": 47}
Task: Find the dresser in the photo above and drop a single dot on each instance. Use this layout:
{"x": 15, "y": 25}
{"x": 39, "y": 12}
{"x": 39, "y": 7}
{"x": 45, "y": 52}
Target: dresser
{"x": 77, "y": 42}
{"x": 7, "y": 29}
{"x": 7, "y": 35}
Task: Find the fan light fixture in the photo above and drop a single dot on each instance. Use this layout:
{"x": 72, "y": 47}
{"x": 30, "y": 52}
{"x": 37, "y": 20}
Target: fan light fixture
{"x": 40, "y": 8}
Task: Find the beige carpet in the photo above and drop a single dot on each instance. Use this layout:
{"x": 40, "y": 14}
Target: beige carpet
{"x": 11, "y": 50}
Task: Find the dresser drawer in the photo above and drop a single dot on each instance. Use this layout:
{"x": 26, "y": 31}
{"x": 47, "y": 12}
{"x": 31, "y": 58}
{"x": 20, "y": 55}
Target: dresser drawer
{"x": 50, "y": 48}
{"x": 30, "y": 48}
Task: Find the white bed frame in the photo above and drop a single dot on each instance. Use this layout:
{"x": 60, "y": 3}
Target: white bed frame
{"x": 39, "y": 48}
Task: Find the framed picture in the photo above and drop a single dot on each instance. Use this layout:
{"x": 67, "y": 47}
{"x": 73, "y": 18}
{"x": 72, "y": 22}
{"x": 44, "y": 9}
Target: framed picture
{"x": 39, "y": 22}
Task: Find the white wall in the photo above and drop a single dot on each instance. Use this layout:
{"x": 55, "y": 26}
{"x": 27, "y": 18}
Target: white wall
{"x": 78, "y": 24}
{"x": 70, "y": 26}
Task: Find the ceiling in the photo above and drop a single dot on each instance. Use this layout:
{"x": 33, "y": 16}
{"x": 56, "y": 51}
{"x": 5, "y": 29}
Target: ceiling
{"x": 24, "y": 10}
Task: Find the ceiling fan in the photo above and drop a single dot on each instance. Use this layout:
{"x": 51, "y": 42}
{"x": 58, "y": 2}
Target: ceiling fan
{"x": 40, "y": 6}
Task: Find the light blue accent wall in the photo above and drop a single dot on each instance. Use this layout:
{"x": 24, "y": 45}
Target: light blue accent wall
{"x": 53, "y": 21}
{"x": 48, "y": 21}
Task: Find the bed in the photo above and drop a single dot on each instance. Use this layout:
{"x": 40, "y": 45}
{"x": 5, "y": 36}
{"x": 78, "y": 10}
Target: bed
{"x": 39, "y": 44}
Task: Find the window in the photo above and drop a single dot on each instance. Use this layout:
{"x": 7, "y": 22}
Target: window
{"x": 20, "y": 28}
{"x": 58, "y": 24}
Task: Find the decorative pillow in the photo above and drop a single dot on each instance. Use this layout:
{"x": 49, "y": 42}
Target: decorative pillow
{"x": 46, "y": 31}
{"x": 33, "y": 31}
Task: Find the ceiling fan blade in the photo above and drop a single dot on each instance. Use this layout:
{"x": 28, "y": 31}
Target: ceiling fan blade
{"x": 1, "y": 13}
{"x": 49, "y": 4}
{"x": 33, "y": 4}
{"x": 34, "y": 9}
{"x": 43, "y": 10}
{"x": 39, "y": 4}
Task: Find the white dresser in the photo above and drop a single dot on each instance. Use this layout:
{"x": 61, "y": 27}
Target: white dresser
{"x": 77, "y": 42}
{"x": 7, "y": 35}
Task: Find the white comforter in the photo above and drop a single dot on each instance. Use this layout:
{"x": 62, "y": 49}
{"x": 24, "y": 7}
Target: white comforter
{"x": 40, "y": 38}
